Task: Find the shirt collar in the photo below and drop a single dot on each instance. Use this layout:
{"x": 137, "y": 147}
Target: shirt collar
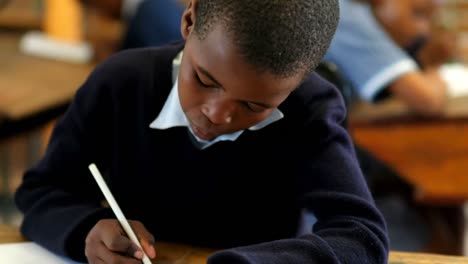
{"x": 172, "y": 114}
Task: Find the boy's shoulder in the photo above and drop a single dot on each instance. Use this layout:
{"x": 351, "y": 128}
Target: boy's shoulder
{"x": 316, "y": 95}
{"x": 132, "y": 76}
{"x": 315, "y": 98}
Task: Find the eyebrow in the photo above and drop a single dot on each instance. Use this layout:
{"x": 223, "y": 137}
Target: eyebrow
{"x": 213, "y": 79}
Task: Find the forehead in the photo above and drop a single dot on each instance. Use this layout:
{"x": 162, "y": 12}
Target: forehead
{"x": 218, "y": 55}
{"x": 407, "y": 5}
{"x": 421, "y": 4}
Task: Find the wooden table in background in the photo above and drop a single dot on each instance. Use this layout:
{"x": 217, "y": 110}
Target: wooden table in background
{"x": 173, "y": 253}
{"x": 420, "y": 258}
{"x": 430, "y": 153}
{"x": 33, "y": 92}
{"x": 31, "y": 85}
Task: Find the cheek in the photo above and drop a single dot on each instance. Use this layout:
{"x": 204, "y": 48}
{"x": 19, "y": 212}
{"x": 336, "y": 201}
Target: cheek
{"x": 189, "y": 93}
{"x": 250, "y": 120}
{"x": 410, "y": 31}
{"x": 388, "y": 13}
{"x": 261, "y": 117}
{"x": 188, "y": 96}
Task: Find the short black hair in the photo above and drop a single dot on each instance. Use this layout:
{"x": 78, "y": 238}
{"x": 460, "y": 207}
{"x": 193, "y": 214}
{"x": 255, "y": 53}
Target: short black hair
{"x": 283, "y": 37}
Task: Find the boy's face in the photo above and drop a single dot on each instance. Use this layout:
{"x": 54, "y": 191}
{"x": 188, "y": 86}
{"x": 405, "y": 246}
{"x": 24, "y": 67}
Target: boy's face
{"x": 405, "y": 20}
{"x": 219, "y": 91}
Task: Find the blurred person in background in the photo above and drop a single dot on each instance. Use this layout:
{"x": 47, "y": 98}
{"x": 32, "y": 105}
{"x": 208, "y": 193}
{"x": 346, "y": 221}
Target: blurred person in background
{"x": 146, "y": 22}
{"x": 390, "y": 47}
{"x": 152, "y": 22}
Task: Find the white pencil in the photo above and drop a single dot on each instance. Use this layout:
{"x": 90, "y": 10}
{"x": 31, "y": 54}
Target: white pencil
{"x": 116, "y": 209}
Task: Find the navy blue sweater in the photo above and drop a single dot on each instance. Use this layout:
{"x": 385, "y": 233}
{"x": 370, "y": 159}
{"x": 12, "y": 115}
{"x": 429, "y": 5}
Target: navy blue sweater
{"x": 243, "y": 197}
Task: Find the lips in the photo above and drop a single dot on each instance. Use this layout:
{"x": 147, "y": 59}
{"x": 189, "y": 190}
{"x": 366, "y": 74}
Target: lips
{"x": 200, "y": 133}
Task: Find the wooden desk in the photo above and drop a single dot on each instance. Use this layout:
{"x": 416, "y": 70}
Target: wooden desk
{"x": 30, "y": 85}
{"x": 168, "y": 253}
{"x": 173, "y": 253}
{"x": 430, "y": 153}
{"x": 421, "y": 258}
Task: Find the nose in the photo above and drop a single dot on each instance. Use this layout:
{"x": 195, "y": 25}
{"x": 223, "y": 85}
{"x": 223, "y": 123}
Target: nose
{"x": 219, "y": 112}
{"x": 425, "y": 28}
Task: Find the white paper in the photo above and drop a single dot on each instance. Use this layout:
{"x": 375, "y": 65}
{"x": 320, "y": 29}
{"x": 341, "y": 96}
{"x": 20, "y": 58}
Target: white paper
{"x": 29, "y": 253}
{"x": 456, "y": 77}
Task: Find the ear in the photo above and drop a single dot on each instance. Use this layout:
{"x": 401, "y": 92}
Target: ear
{"x": 188, "y": 19}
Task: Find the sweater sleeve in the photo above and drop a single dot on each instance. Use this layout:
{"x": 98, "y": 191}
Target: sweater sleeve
{"x": 58, "y": 196}
{"x": 349, "y": 228}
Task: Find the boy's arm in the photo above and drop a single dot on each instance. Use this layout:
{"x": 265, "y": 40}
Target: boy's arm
{"x": 424, "y": 92}
{"x": 58, "y": 196}
{"x": 349, "y": 229}
{"x": 440, "y": 48}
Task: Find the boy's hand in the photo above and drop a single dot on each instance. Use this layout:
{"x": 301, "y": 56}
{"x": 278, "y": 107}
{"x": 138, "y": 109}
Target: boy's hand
{"x": 441, "y": 48}
{"x": 107, "y": 243}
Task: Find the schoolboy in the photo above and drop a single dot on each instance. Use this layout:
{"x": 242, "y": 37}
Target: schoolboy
{"x": 220, "y": 142}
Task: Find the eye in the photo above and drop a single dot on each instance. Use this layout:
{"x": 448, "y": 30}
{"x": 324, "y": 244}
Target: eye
{"x": 202, "y": 83}
{"x": 254, "y": 107}
{"x": 421, "y": 13}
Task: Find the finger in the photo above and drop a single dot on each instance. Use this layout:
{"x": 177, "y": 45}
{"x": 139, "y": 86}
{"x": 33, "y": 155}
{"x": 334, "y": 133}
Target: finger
{"x": 145, "y": 237}
{"x": 95, "y": 251}
{"x": 108, "y": 256}
{"x": 117, "y": 242}
{"x": 149, "y": 249}
{"x": 96, "y": 261}
{"x": 91, "y": 251}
